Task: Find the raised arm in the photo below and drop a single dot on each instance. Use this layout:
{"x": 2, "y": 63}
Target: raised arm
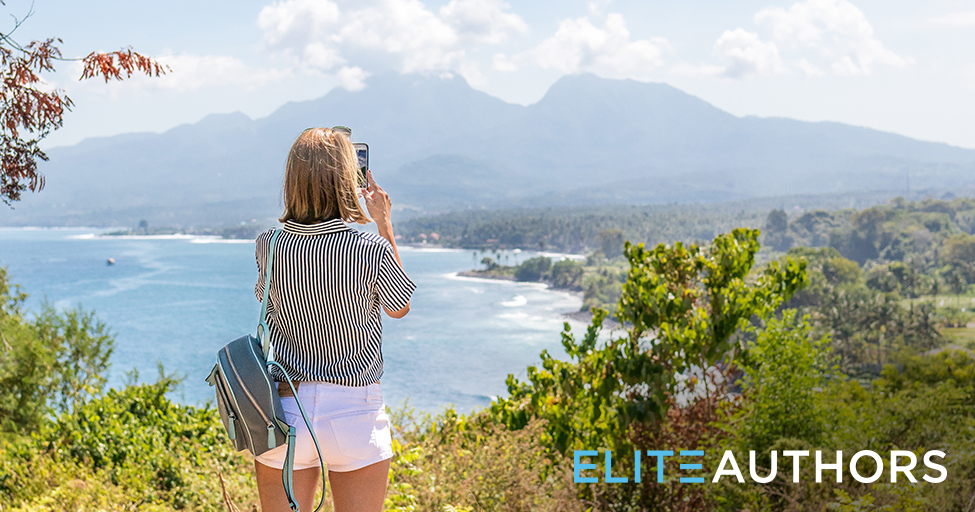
{"x": 379, "y": 206}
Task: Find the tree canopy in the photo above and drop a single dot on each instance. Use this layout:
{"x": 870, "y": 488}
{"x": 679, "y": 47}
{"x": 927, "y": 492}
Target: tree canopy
{"x": 29, "y": 112}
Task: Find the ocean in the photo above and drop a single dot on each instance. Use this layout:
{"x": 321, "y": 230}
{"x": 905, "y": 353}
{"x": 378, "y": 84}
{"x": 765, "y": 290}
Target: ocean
{"x": 176, "y": 300}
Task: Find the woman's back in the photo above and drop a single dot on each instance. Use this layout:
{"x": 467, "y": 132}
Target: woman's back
{"x": 329, "y": 284}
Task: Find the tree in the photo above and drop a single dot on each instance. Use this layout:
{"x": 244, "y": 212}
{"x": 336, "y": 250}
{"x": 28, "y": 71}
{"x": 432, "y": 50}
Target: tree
{"x": 567, "y": 274}
{"x": 533, "y": 269}
{"x": 777, "y": 222}
{"x": 489, "y": 264}
{"x": 681, "y": 306}
{"x": 28, "y": 113}
{"x": 611, "y": 242}
{"x": 880, "y": 316}
{"x": 49, "y": 363}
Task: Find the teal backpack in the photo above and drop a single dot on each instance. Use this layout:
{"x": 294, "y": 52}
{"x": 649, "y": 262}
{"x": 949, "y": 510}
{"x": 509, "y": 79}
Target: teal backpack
{"x": 248, "y": 400}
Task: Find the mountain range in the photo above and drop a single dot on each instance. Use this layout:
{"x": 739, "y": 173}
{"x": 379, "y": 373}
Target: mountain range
{"x": 436, "y": 144}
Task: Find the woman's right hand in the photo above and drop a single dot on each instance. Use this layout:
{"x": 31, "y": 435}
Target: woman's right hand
{"x": 377, "y": 202}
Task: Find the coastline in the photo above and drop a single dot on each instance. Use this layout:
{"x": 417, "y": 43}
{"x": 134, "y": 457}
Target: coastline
{"x": 484, "y": 275}
{"x": 584, "y": 316}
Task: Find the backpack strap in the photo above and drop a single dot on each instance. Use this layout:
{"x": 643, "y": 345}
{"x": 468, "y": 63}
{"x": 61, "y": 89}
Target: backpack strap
{"x": 288, "y": 469}
{"x": 262, "y": 329}
{"x": 287, "y": 472}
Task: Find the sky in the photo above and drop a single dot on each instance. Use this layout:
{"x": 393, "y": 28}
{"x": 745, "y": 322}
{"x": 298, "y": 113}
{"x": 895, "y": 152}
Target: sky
{"x": 893, "y": 65}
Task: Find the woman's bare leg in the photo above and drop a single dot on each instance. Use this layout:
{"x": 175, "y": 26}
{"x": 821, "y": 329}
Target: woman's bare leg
{"x": 273, "y": 498}
{"x": 362, "y": 490}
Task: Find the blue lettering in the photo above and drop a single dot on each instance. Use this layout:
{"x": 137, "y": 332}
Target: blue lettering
{"x": 610, "y": 479}
{"x": 660, "y": 454}
{"x": 636, "y": 473}
{"x": 691, "y": 453}
{"x": 578, "y": 466}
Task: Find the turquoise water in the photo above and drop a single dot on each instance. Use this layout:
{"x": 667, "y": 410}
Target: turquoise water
{"x": 178, "y": 300}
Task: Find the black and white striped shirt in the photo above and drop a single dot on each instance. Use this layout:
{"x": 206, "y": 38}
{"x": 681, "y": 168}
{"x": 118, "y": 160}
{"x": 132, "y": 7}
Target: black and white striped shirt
{"x": 329, "y": 283}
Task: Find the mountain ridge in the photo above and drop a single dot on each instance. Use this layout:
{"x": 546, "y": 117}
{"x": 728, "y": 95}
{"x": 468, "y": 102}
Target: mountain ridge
{"x": 438, "y": 145}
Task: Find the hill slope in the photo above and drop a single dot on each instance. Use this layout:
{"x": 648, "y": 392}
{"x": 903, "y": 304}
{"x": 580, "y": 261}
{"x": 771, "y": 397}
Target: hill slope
{"x": 439, "y": 145}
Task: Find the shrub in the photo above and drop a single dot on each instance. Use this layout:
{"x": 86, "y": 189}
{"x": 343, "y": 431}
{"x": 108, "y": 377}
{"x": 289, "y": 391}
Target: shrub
{"x": 468, "y": 463}
{"x": 49, "y": 364}
{"x": 533, "y": 269}
{"x": 130, "y": 449}
{"x": 785, "y": 367}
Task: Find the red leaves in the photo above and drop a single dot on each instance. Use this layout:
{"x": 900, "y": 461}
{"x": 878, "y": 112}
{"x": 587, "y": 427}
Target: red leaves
{"x": 18, "y": 167}
{"x": 112, "y": 65}
{"x": 24, "y": 108}
{"x": 28, "y": 113}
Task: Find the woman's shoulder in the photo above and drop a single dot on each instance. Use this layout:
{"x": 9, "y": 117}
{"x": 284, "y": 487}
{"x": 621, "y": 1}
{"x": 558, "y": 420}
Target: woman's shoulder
{"x": 372, "y": 239}
{"x": 266, "y": 235}
{"x": 263, "y": 240}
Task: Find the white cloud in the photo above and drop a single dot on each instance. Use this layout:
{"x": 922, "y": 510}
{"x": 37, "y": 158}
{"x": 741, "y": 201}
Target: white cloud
{"x": 402, "y": 34}
{"x": 966, "y": 18}
{"x": 598, "y": 7}
{"x": 483, "y": 21}
{"x": 295, "y": 21}
{"x": 322, "y": 56}
{"x": 580, "y": 46}
{"x": 502, "y": 64}
{"x": 189, "y": 72}
{"x": 684, "y": 68}
{"x": 352, "y": 79}
{"x": 747, "y": 55}
{"x": 809, "y": 68}
{"x": 833, "y": 31}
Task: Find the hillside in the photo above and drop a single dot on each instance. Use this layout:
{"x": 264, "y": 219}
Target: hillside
{"x": 439, "y": 145}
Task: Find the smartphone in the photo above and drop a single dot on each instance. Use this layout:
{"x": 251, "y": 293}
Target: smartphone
{"x": 362, "y": 152}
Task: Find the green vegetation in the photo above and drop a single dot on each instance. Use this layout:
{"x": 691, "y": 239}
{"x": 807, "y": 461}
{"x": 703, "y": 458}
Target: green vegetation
{"x": 900, "y": 271}
{"x": 68, "y": 445}
{"x": 852, "y": 345}
{"x": 241, "y": 232}
{"x": 599, "y": 280}
{"x": 583, "y": 229}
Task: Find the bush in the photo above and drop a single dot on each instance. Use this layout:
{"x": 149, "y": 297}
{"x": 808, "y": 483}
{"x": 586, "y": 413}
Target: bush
{"x": 132, "y": 448}
{"x": 785, "y": 367}
{"x": 469, "y": 463}
{"x": 49, "y": 364}
{"x": 567, "y": 274}
{"x": 533, "y": 269}
{"x": 681, "y": 305}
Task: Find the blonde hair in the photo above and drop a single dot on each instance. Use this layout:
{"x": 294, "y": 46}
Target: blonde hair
{"x": 321, "y": 179}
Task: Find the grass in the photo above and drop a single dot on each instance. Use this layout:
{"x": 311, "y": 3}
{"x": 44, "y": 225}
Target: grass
{"x": 961, "y": 336}
{"x": 958, "y": 301}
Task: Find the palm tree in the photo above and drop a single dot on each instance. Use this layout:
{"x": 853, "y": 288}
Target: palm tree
{"x": 881, "y": 314}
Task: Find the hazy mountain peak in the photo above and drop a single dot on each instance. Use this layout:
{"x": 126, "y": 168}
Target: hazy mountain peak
{"x": 436, "y": 143}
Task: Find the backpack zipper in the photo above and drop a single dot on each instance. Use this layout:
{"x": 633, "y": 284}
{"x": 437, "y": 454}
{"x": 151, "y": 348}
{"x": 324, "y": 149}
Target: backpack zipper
{"x": 231, "y": 429}
{"x": 224, "y": 386}
{"x": 270, "y": 426}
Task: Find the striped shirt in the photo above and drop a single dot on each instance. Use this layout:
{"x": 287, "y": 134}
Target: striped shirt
{"x": 329, "y": 283}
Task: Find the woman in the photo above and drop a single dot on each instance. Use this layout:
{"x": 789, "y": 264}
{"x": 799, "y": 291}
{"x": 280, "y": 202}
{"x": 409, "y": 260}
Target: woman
{"x": 328, "y": 285}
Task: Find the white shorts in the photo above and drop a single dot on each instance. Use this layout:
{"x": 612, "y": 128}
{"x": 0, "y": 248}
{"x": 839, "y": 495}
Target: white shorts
{"x": 350, "y": 423}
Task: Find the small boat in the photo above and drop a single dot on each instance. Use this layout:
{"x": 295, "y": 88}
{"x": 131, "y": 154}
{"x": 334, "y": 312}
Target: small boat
{"x": 110, "y": 262}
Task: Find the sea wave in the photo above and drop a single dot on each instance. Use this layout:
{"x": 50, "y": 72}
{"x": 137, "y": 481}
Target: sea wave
{"x": 152, "y": 237}
{"x": 217, "y": 240}
{"x": 516, "y": 302}
{"x": 413, "y": 248}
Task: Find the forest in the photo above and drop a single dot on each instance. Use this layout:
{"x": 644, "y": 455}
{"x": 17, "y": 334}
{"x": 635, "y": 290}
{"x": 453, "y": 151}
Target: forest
{"x": 577, "y": 229}
{"x": 834, "y": 330}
